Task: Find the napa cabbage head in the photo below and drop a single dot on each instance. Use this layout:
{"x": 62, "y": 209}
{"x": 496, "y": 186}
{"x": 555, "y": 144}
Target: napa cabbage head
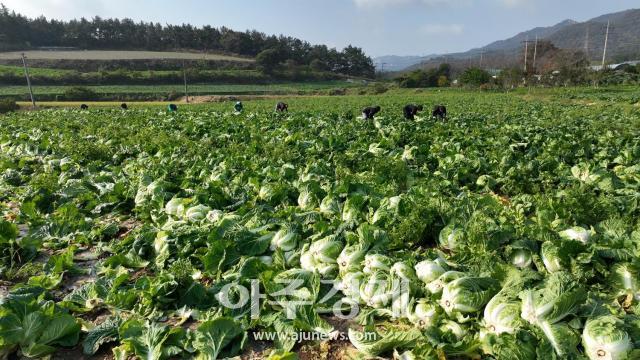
{"x": 387, "y": 211}
{"x": 380, "y": 301}
{"x": 454, "y": 328}
{"x": 351, "y": 258}
{"x": 320, "y": 256}
{"x": 577, "y": 233}
{"x": 307, "y": 199}
{"x": 403, "y": 271}
{"x": 435, "y": 287}
{"x": 604, "y": 338}
{"x": 625, "y": 279}
{"x": 376, "y": 285}
{"x": 151, "y": 191}
{"x": 501, "y": 315}
{"x": 430, "y": 270}
{"x": 468, "y": 294}
{"x": 425, "y": 314}
{"x": 350, "y": 284}
{"x": 327, "y": 271}
{"x": 521, "y": 346}
{"x": 401, "y": 304}
{"x": 558, "y": 297}
{"x": 307, "y": 261}
{"x": 451, "y": 237}
{"x": 551, "y": 257}
{"x": 285, "y": 239}
{"x": 292, "y": 258}
{"x": 379, "y": 344}
{"x": 214, "y": 216}
{"x": 197, "y": 213}
{"x": 326, "y": 250}
{"x": 521, "y": 258}
{"x": 177, "y": 207}
{"x": 521, "y": 252}
{"x": 330, "y": 206}
{"x": 376, "y": 262}
{"x": 352, "y": 208}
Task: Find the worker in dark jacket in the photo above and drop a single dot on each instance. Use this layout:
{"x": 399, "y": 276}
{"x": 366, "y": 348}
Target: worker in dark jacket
{"x": 439, "y": 112}
{"x": 282, "y": 107}
{"x": 369, "y": 113}
{"x": 410, "y": 111}
{"x": 238, "y": 106}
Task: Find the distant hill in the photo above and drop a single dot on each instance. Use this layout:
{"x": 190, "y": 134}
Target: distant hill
{"x": 397, "y": 63}
{"x": 273, "y": 53}
{"x": 516, "y": 41}
{"x": 624, "y": 36}
{"x": 624, "y": 42}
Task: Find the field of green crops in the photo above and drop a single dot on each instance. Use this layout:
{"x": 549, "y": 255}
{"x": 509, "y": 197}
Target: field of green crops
{"x": 115, "y": 55}
{"x": 509, "y": 231}
{"x": 22, "y": 92}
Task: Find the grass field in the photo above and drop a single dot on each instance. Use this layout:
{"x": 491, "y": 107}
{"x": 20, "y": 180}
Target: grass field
{"x": 513, "y": 227}
{"x": 53, "y": 72}
{"x": 163, "y": 90}
{"x": 19, "y": 71}
{"x": 117, "y": 55}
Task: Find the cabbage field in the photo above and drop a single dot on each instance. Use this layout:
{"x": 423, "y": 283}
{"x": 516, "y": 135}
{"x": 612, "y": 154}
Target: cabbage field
{"x": 509, "y": 231}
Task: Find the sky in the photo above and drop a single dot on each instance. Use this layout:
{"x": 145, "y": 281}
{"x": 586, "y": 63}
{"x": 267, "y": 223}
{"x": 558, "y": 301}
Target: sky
{"x": 380, "y": 27}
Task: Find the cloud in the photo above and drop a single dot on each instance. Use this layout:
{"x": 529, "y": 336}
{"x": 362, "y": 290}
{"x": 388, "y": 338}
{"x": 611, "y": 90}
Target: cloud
{"x": 57, "y": 8}
{"x": 388, "y": 3}
{"x": 442, "y": 29}
{"x": 514, "y": 3}
{"x": 380, "y": 3}
{"x": 385, "y": 3}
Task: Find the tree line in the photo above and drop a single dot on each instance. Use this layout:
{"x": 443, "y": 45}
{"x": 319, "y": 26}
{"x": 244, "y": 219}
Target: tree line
{"x": 547, "y": 65}
{"x": 18, "y": 32}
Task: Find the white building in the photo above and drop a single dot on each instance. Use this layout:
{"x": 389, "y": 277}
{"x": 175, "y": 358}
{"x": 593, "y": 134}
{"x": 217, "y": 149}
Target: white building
{"x": 615, "y": 66}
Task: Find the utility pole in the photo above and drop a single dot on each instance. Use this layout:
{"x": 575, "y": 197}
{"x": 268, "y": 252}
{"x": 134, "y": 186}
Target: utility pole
{"x": 586, "y": 43}
{"x": 184, "y": 75}
{"x": 26, "y": 73}
{"x": 606, "y": 40}
{"x": 526, "y": 54}
{"x": 481, "y": 58}
{"x": 535, "y": 54}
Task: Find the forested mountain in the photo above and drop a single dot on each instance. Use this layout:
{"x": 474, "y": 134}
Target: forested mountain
{"x": 18, "y": 32}
{"x": 588, "y": 36}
